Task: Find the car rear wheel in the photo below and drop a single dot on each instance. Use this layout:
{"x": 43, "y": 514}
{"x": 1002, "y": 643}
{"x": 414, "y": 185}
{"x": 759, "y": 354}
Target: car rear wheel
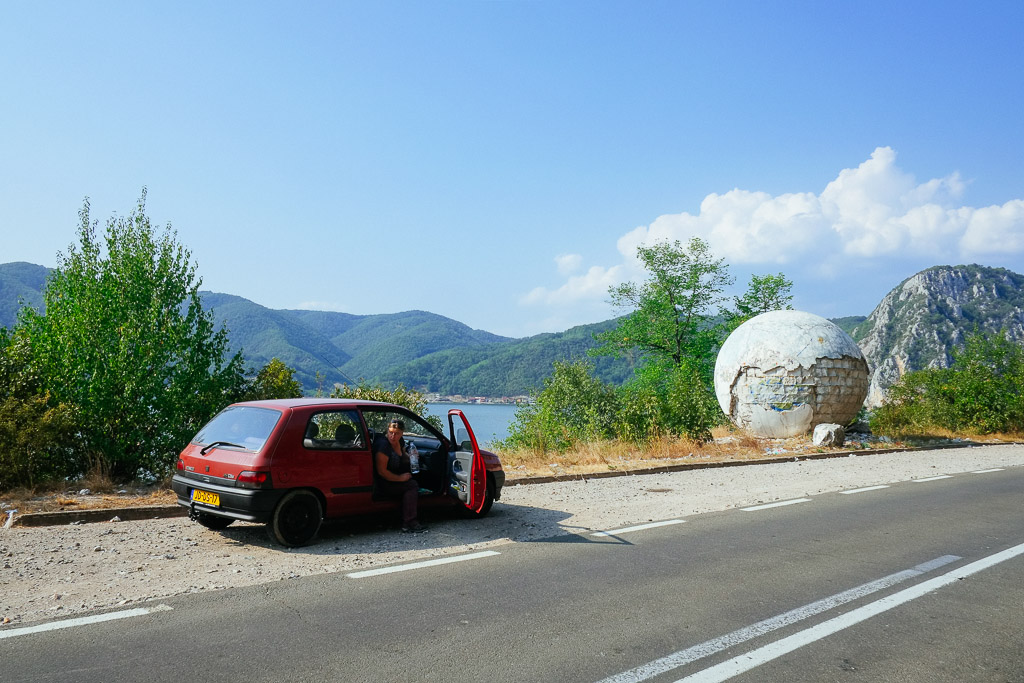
{"x": 213, "y": 522}
{"x": 296, "y": 519}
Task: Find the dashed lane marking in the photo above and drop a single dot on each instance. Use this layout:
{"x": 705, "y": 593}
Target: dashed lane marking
{"x": 941, "y": 476}
{"x": 638, "y": 527}
{"x": 994, "y": 469}
{"x": 421, "y": 565}
{"x": 866, "y": 488}
{"x": 83, "y": 621}
{"x": 776, "y": 505}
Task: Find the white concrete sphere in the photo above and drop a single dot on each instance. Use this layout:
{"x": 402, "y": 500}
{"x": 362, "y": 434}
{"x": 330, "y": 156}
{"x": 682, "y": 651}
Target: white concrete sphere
{"x": 782, "y": 373}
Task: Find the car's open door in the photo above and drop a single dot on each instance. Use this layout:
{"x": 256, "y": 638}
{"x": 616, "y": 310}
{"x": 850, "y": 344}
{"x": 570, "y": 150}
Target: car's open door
{"x": 469, "y": 475}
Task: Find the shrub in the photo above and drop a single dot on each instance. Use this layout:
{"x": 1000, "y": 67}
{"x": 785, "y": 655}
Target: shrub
{"x": 274, "y": 380}
{"x": 666, "y": 399}
{"x": 573, "y": 407}
{"x": 38, "y": 435}
{"x": 979, "y": 393}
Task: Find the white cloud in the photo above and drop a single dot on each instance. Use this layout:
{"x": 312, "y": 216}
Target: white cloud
{"x": 993, "y": 229}
{"x": 591, "y": 285}
{"x": 870, "y": 214}
{"x": 568, "y": 263}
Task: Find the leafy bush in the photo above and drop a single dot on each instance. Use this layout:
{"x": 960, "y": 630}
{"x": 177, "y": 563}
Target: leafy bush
{"x": 666, "y": 399}
{"x": 573, "y": 407}
{"x": 38, "y": 435}
{"x": 981, "y": 392}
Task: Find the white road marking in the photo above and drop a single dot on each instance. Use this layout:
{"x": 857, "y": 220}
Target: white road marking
{"x": 866, "y": 488}
{"x": 421, "y": 565}
{"x": 638, "y": 527}
{"x": 994, "y": 469}
{"x": 941, "y": 476}
{"x": 776, "y": 505}
{"x": 750, "y": 660}
{"x": 678, "y": 659}
{"x": 82, "y": 621}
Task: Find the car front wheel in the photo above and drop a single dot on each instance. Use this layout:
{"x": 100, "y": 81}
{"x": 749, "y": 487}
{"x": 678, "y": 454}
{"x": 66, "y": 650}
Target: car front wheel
{"x": 296, "y": 519}
{"x": 488, "y": 502}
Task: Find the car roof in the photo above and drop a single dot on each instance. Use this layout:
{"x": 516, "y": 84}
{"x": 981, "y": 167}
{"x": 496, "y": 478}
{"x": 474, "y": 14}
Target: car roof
{"x": 284, "y": 403}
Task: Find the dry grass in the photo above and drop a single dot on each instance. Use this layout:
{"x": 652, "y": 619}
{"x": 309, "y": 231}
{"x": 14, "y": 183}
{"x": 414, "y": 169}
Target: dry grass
{"x": 103, "y": 494}
{"x": 727, "y": 445}
{"x": 608, "y": 456}
{"x": 940, "y": 434}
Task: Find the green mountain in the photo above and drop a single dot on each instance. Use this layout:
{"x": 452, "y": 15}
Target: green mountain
{"x": 20, "y": 283}
{"x": 377, "y": 343}
{"x": 915, "y": 326}
{"x": 849, "y": 323}
{"x": 507, "y": 369}
{"x": 262, "y": 334}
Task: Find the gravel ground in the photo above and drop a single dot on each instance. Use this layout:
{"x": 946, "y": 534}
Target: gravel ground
{"x": 55, "y": 572}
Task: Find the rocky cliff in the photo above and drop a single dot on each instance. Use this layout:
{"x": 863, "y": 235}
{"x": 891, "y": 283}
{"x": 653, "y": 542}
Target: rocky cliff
{"x": 919, "y": 322}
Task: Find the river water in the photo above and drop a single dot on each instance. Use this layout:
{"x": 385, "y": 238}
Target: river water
{"x": 489, "y": 421}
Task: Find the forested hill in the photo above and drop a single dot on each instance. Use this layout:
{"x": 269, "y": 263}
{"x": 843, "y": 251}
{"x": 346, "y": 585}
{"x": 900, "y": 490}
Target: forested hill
{"x": 507, "y": 369}
{"x": 20, "y": 283}
{"x": 417, "y": 348}
{"x": 915, "y": 325}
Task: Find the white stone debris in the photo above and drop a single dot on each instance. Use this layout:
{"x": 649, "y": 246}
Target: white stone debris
{"x": 829, "y": 435}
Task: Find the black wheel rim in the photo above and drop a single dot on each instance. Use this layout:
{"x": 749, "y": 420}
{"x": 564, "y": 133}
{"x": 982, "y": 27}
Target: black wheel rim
{"x": 299, "y": 521}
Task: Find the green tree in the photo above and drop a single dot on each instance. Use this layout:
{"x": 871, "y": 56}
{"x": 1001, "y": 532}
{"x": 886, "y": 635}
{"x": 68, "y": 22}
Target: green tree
{"x": 671, "y": 313}
{"x": 764, "y": 293}
{"x": 126, "y": 340}
{"x": 274, "y": 380}
{"x": 37, "y": 435}
{"x": 675, "y": 324}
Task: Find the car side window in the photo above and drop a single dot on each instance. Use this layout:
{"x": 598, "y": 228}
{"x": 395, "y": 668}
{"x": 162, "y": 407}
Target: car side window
{"x": 378, "y": 420}
{"x": 338, "y": 430}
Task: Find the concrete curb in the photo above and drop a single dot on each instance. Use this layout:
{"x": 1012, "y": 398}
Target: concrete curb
{"x": 36, "y": 519}
{"x": 100, "y": 515}
{"x": 795, "y": 457}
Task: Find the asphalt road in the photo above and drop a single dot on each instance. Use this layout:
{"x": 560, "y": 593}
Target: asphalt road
{"x": 917, "y": 581}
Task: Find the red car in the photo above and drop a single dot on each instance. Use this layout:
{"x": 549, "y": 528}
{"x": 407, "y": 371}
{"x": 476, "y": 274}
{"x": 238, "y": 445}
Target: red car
{"x": 292, "y": 463}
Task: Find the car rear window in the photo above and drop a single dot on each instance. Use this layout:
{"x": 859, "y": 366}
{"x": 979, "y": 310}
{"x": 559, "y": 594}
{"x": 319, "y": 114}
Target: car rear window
{"x": 244, "y": 426}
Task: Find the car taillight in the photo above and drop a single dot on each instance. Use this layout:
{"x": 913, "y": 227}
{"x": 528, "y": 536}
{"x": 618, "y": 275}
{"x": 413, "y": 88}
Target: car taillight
{"x": 253, "y": 480}
{"x": 180, "y": 465}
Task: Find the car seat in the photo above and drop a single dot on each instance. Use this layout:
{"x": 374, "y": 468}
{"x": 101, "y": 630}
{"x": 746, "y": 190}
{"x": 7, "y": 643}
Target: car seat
{"x": 312, "y": 431}
{"x": 345, "y": 436}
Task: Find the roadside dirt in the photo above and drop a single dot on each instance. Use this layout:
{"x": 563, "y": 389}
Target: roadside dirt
{"x": 55, "y": 572}
{"x": 726, "y": 449}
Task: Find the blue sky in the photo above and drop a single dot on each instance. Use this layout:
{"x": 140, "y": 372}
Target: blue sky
{"x": 499, "y": 162}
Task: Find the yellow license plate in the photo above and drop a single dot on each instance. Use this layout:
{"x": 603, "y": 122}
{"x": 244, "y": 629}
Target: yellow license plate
{"x": 206, "y": 498}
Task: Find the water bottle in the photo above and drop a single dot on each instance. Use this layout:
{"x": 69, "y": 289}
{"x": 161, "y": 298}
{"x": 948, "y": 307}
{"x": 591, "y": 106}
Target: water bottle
{"x": 414, "y": 457}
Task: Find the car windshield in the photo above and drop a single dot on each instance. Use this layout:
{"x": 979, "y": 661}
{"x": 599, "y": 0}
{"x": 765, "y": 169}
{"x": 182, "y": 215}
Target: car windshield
{"x": 241, "y": 426}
